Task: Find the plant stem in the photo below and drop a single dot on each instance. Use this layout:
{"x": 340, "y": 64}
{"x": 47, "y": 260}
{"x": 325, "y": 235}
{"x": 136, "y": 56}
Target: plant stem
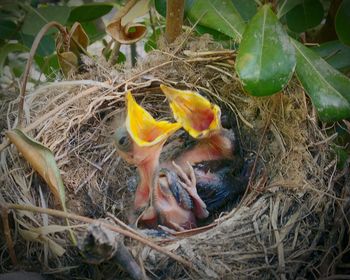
{"x": 32, "y": 52}
{"x": 114, "y": 53}
{"x": 174, "y": 19}
{"x": 133, "y": 52}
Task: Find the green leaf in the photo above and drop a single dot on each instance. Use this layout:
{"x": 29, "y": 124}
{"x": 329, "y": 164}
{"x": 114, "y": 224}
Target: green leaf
{"x": 160, "y": 6}
{"x": 48, "y": 65}
{"x": 218, "y": 36}
{"x": 46, "y": 46}
{"x": 37, "y": 18}
{"x": 88, "y": 12}
{"x": 246, "y": 8}
{"x": 121, "y": 58}
{"x": 93, "y": 32}
{"x": 266, "y": 57}
{"x": 342, "y": 22}
{"x": 7, "y": 29}
{"x": 220, "y": 15}
{"x": 284, "y": 6}
{"x": 306, "y": 15}
{"x": 151, "y": 43}
{"x": 9, "y": 48}
{"x": 42, "y": 160}
{"x": 335, "y": 53}
{"x": 327, "y": 88}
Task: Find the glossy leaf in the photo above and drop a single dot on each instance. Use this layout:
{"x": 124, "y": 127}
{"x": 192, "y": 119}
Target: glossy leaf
{"x": 284, "y": 6}
{"x": 220, "y": 15}
{"x": 335, "y": 53}
{"x": 266, "y": 57}
{"x": 246, "y": 8}
{"x": 308, "y": 14}
{"x": 217, "y": 36}
{"x": 42, "y": 161}
{"x": 37, "y": 18}
{"x": 160, "y": 6}
{"x": 342, "y": 22}
{"x": 327, "y": 88}
{"x": 90, "y": 11}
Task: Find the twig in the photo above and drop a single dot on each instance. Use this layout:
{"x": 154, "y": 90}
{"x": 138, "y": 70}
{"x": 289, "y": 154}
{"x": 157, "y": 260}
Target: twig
{"x": 114, "y": 53}
{"x": 121, "y": 223}
{"x": 72, "y": 216}
{"x": 32, "y": 52}
{"x": 7, "y": 234}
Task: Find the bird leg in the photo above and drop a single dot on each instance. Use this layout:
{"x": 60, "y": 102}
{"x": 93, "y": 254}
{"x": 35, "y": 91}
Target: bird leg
{"x": 189, "y": 184}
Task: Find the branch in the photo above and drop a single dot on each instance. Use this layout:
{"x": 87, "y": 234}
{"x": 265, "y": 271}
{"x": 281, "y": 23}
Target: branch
{"x": 174, "y": 19}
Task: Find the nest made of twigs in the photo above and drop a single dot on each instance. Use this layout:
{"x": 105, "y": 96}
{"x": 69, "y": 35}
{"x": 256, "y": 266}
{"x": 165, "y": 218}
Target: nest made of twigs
{"x": 286, "y": 224}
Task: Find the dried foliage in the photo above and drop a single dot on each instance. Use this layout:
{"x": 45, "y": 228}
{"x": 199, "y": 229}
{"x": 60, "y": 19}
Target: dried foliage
{"x": 291, "y": 223}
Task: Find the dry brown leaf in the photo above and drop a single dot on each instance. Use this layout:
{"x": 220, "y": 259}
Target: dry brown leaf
{"x": 42, "y": 161}
{"x": 68, "y": 62}
{"x": 138, "y": 10}
{"x": 129, "y": 34}
{"x": 70, "y": 47}
{"x": 122, "y": 29}
{"x": 79, "y": 40}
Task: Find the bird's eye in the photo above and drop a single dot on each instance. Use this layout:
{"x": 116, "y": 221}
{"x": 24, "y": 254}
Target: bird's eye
{"x": 122, "y": 139}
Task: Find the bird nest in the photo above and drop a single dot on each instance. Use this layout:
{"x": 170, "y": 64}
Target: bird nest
{"x": 289, "y": 223}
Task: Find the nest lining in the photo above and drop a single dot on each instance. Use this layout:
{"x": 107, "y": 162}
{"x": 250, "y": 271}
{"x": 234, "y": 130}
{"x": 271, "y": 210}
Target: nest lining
{"x": 277, "y": 230}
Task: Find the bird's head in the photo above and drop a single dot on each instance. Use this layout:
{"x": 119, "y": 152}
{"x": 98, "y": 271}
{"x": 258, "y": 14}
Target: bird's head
{"x": 141, "y": 136}
{"x": 198, "y": 116}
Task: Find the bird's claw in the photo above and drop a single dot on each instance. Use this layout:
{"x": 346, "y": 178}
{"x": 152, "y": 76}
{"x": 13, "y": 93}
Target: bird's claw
{"x": 189, "y": 184}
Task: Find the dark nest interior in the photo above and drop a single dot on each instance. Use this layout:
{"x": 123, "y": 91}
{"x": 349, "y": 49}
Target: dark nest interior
{"x": 291, "y": 223}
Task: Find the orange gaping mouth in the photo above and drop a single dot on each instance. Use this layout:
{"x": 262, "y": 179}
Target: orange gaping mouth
{"x": 195, "y": 113}
{"x": 143, "y": 128}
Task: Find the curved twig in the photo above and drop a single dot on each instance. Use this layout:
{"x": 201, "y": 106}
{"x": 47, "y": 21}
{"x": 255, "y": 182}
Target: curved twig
{"x": 32, "y": 52}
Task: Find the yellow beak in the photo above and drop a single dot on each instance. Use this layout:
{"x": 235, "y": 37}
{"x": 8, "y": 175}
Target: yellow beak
{"x": 194, "y": 112}
{"x": 143, "y": 128}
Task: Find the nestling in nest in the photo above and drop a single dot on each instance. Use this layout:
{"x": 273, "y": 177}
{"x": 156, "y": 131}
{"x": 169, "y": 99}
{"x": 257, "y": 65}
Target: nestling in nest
{"x": 167, "y": 193}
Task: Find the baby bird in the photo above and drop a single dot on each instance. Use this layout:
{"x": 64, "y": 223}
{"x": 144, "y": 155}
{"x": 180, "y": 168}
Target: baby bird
{"x": 214, "y": 154}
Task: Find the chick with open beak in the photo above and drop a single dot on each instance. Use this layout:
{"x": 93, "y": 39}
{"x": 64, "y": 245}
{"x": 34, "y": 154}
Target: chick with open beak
{"x": 201, "y": 119}
{"x": 213, "y": 156}
{"x": 139, "y": 141}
